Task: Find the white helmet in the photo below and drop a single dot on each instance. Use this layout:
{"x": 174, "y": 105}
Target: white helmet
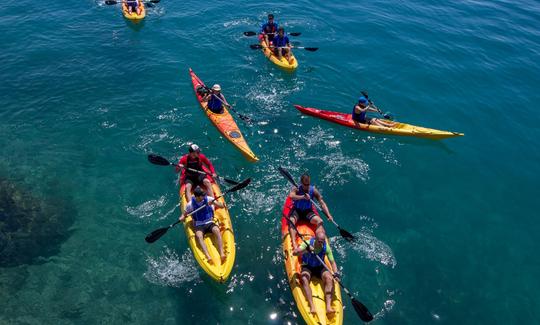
{"x": 194, "y": 148}
{"x": 216, "y": 87}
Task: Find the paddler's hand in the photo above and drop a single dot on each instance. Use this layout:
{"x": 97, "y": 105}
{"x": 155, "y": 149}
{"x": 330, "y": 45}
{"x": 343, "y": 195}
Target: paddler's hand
{"x": 311, "y": 248}
{"x": 307, "y": 196}
{"x": 337, "y": 276}
{"x": 214, "y": 176}
{"x": 330, "y": 217}
{"x": 179, "y": 167}
{"x": 182, "y": 217}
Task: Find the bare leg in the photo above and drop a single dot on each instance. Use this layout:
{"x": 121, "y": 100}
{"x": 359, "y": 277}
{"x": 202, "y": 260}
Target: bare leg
{"x": 379, "y": 122}
{"x": 209, "y": 190}
{"x": 328, "y": 287}
{"x": 279, "y": 52}
{"x": 316, "y": 220}
{"x": 288, "y": 55}
{"x": 200, "y": 238}
{"x": 188, "y": 192}
{"x": 292, "y": 232}
{"x": 307, "y": 290}
{"x": 217, "y": 233}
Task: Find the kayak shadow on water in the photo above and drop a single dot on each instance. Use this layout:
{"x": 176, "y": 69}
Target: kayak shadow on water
{"x": 135, "y": 25}
{"x": 440, "y": 144}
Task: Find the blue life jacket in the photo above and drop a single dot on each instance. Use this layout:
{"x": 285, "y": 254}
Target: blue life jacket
{"x": 310, "y": 258}
{"x": 304, "y": 204}
{"x": 359, "y": 117}
{"x": 215, "y": 104}
{"x": 269, "y": 28}
{"x": 204, "y": 215}
{"x": 280, "y": 41}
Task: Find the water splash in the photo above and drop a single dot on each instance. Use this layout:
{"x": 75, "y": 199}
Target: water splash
{"x": 148, "y": 208}
{"x": 170, "y": 270}
{"x": 238, "y": 281}
{"x": 368, "y": 245}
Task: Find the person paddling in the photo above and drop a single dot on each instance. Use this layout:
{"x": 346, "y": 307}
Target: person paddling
{"x": 360, "y": 111}
{"x": 197, "y": 161}
{"x": 133, "y": 6}
{"x": 281, "y": 45}
{"x": 215, "y": 99}
{"x": 312, "y": 267}
{"x": 269, "y": 29}
{"x": 303, "y": 207}
{"x": 203, "y": 220}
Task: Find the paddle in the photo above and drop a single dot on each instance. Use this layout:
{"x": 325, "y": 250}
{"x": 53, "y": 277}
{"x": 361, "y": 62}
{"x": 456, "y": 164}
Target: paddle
{"x": 158, "y": 160}
{"x": 344, "y": 233}
{"x": 385, "y": 115}
{"x": 259, "y": 46}
{"x": 114, "y": 2}
{"x": 359, "y": 307}
{"x": 252, "y": 33}
{"x": 241, "y": 116}
{"x": 158, "y": 233}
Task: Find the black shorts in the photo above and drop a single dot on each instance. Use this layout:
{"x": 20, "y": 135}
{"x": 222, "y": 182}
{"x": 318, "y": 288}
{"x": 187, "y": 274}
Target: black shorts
{"x": 207, "y": 228}
{"x": 195, "y": 179}
{"x": 302, "y": 214}
{"x": 316, "y": 271}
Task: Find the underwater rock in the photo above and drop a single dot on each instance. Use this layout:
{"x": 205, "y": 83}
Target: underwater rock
{"x": 31, "y": 228}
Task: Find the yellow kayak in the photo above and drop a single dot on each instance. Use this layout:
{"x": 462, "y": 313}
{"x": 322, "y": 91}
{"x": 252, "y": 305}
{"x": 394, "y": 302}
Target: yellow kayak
{"x": 217, "y": 271}
{"x": 283, "y": 63}
{"x": 134, "y": 15}
{"x": 292, "y": 267}
{"x": 224, "y": 122}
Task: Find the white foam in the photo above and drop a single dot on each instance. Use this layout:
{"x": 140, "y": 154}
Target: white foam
{"x": 170, "y": 270}
{"x": 368, "y": 245}
{"x": 147, "y": 209}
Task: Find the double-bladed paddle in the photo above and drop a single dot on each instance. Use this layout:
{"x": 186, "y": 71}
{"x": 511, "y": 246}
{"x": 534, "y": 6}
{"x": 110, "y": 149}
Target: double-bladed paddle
{"x": 259, "y": 46}
{"x": 385, "y": 115}
{"x": 252, "y": 33}
{"x": 359, "y": 307}
{"x": 158, "y": 160}
{"x": 114, "y": 2}
{"x": 156, "y": 234}
{"x": 344, "y": 233}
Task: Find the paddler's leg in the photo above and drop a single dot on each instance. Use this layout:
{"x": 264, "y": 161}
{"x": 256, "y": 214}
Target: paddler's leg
{"x": 288, "y": 54}
{"x": 217, "y": 233}
{"x": 314, "y": 219}
{"x": 306, "y": 277}
{"x": 189, "y": 185}
{"x": 293, "y": 217}
{"x": 279, "y": 52}
{"x": 209, "y": 190}
{"x": 328, "y": 288}
{"x": 200, "y": 239}
{"x": 379, "y": 122}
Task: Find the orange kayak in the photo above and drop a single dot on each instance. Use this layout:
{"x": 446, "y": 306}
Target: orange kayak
{"x": 224, "y": 122}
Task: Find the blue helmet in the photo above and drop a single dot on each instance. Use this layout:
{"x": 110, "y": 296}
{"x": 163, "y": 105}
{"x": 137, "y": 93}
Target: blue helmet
{"x": 363, "y": 100}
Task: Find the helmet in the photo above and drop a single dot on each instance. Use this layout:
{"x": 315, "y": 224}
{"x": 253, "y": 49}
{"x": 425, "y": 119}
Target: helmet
{"x": 363, "y": 100}
{"x": 216, "y": 87}
{"x": 198, "y": 191}
{"x": 194, "y": 148}
{"x": 270, "y": 16}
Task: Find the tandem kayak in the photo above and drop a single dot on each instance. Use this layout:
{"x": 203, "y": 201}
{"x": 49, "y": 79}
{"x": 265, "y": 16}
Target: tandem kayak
{"x": 224, "y": 122}
{"x": 218, "y": 271}
{"x": 283, "y": 63}
{"x": 399, "y": 128}
{"x": 134, "y": 15}
{"x": 293, "y": 267}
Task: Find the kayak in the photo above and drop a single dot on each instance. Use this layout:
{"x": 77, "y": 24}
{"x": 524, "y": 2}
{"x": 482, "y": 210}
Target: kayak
{"x": 283, "y": 63}
{"x": 398, "y": 129}
{"x": 293, "y": 267}
{"x": 133, "y": 15}
{"x": 217, "y": 271}
{"x": 224, "y": 122}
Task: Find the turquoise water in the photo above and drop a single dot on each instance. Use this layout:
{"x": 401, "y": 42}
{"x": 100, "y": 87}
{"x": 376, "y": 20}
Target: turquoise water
{"x": 447, "y": 230}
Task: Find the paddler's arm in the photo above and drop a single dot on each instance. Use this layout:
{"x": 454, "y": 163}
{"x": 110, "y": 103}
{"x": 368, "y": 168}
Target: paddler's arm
{"x": 324, "y": 207}
{"x": 330, "y": 256}
{"x": 188, "y": 209}
{"x": 216, "y": 203}
{"x": 207, "y": 162}
{"x": 224, "y": 100}
{"x": 181, "y": 164}
{"x": 294, "y": 196}
{"x": 300, "y": 249}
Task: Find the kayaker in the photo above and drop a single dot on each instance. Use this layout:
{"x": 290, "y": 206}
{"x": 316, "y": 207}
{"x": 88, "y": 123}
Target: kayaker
{"x": 281, "y": 45}
{"x": 303, "y": 207}
{"x": 269, "y": 29}
{"x": 203, "y": 220}
{"x": 215, "y": 99}
{"x": 312, "y": 267}
{"x": 360, "y": 110}
{"x": 195, "y": 160}
{"x": 133, "y": 6}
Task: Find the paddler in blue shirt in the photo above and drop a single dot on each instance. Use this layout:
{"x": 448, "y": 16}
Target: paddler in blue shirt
{"x": 215, "y": 99}
{"x": 269, "y": 29}
{"x": 360, "y": 111}
{"x": 281, "y": 45}
{"x": 133, "y": 6}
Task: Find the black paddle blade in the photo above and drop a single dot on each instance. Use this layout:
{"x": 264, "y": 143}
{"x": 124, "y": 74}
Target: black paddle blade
{"x": 255, "y": 46}
{"x": 345, "y": 234}
{"x": 364, "y": 93}
{"x": 155, "y": 1}
{"x": 311, "y": 49}
{"x": 362, "y": 311}
{"x": 287, "y": 175}
{"x": 240, "y": 186}
{"x": 156, "y": 234}
{"x": 158, "y": 160}
{"x": 110, "y": 2}
{"x": 295, "y": 34}
{"x": 250, "y": 33}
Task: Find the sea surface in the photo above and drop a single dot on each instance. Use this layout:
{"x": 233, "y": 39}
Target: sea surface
{"x": 447, "y": 231}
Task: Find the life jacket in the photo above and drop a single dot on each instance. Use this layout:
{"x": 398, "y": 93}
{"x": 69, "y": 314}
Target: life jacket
{"x": 270, "y": 28}
{"x": 304, "y": 204}
{"x": 359, "y": 117}
{"x": 310, "y": 258}
{"x": 215, "y": 104}
{"x": 193, "y": 163}
{"x": 204, "y": 215}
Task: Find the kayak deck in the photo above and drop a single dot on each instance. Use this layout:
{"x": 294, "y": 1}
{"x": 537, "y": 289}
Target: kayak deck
{"x": 293, "y": 269}
{"x": 402, "y": 129}
{"x": 224, "y": 122}
{"x": 283, "y": 63}
{"x": 133, "y": 15}
{"x": 218, "y": 271}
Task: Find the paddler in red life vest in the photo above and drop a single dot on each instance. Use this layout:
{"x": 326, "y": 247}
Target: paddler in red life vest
{"x": 303, "y": 207}
{"x": 312, "y": 267}
{"x": 203, "y": 220}
{"x": 195, "y": 160}
{"x": 269, "y": 29}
